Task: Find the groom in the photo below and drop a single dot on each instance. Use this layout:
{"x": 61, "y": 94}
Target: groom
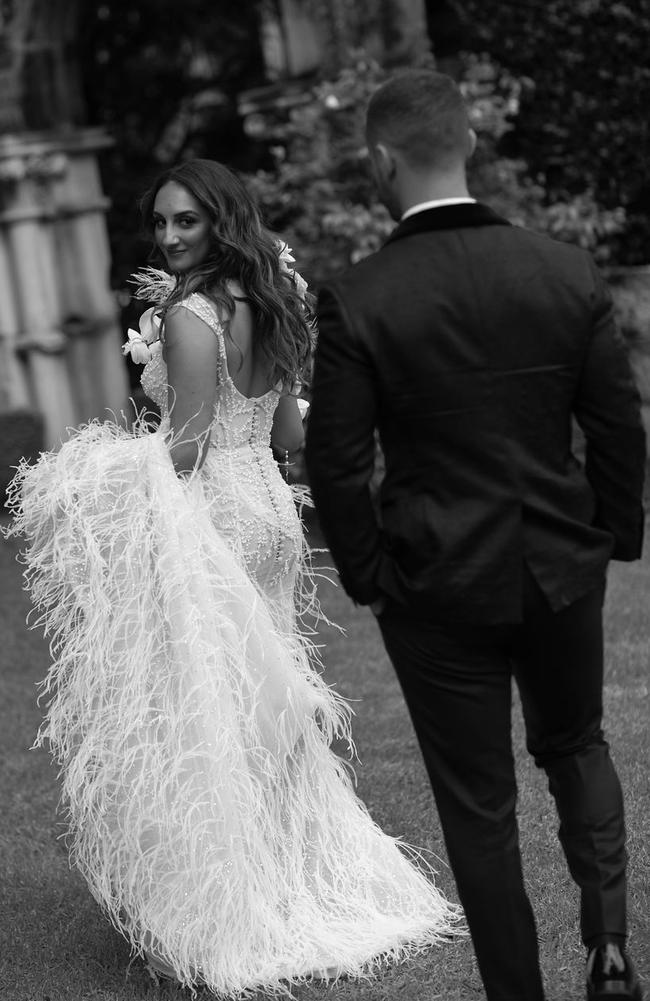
{"x": 470, "y": 344}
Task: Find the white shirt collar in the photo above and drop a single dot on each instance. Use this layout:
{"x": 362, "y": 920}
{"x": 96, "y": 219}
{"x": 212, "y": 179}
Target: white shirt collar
{"x": 436, "y": 203}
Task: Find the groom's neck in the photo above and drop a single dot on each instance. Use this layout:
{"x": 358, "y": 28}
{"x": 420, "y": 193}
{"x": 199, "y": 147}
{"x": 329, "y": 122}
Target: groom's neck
{"x": 421, "y": 187}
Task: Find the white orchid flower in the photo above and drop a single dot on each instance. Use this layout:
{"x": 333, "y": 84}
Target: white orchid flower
{"x": 303, "y": 407}
{"x": 286, "y": 260}
{"x": 149, "y": 324}
{"x": 285, "y": 256}
{"x": 139, "y": 340}
{"x": 301, "y": 284}
{"x": 136, "y": 347}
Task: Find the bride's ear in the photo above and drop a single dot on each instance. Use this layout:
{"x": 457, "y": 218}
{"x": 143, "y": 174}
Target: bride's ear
{"x": 471, "y": 142}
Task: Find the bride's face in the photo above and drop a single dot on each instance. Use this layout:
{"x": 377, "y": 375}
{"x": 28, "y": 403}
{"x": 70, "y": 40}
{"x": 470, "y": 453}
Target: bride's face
{"x": 181, "y": 227}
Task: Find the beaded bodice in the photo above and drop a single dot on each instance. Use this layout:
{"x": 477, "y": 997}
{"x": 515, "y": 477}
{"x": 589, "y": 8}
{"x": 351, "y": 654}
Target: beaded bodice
{"x": 250, "y": 502}
{"x": 238, "y": 421}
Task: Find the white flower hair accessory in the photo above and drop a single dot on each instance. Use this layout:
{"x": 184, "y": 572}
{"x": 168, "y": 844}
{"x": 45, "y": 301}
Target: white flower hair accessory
{"x": 287, "y": 259}
{"x": 285, "y": 255}
{"x": 139, "y": 340}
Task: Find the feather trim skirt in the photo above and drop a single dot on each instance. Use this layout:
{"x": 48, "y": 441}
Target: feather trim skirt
{"x": 206, "y": 810}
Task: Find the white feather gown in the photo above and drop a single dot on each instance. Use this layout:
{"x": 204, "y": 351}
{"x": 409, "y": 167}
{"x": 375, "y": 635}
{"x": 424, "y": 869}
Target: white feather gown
{"x": 206, "y": 809}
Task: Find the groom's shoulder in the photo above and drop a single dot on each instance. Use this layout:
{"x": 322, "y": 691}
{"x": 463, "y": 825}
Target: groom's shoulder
{"x": 365, "y": 275}
{"x": 523, "y": 238}
{"x": 568, "y": 261}
{"x": 544, "y": 241}
{"x": 377, "y": 275}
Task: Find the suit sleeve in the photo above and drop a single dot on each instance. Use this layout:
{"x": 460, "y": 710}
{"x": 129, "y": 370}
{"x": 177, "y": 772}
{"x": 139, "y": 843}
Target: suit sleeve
{"x": 340, "y": 448}
{"x": 608, "y": 410}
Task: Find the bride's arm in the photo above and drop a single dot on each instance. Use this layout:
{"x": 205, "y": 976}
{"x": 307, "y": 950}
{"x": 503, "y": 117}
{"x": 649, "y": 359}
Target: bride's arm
{"x": 191, "y": 353}
{"x": 287, "y": 433}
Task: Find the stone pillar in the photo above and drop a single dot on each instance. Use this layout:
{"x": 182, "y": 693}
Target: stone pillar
{"x": 405, "y": 34}
{"x": 58, "y": 319}
{"x": 14, "y": 391}
{"x": 289, "y": 38}
{"x": 393, "y": 32}
{"x": 88, "y": 306}
{"x": 31, "y": 286}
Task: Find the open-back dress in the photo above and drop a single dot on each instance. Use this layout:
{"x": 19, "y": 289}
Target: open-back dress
{"x": 206, "y": 809}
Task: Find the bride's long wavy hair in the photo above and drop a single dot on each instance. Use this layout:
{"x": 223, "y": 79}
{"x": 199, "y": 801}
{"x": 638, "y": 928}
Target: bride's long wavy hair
{"x": 242, "y": 249}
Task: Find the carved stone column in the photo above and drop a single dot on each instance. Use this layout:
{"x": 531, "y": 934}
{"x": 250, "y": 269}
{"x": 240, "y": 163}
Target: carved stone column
{"x": 394, "y": 32}
{"x": 299, "y": 36}
{"x": 404, "y": 30}
{"x": 14, "y": 390}
{"x": 59, "y": 332}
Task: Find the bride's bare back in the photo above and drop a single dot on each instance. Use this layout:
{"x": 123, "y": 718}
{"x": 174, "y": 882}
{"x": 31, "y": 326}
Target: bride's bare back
{"x": 248, "y": 366}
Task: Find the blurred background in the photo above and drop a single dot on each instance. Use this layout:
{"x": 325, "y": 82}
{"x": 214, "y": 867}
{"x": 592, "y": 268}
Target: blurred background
{"x": 97, "y": 97}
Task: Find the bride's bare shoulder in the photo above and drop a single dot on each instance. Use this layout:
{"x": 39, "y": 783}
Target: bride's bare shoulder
{"x": 186, "y": 326}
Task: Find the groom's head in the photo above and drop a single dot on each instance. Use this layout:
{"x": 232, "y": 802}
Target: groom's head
{"x": 419, "y": 139}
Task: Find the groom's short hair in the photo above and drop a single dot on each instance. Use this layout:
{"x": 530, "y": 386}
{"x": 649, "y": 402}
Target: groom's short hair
{"x": 421, "y": 114}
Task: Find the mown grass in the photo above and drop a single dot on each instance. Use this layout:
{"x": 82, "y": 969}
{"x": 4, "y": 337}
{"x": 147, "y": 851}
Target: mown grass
{"x": 56, "y": 946}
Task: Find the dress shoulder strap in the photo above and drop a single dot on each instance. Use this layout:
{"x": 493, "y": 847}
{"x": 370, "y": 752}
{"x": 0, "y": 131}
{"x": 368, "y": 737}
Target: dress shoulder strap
{"x": 202, "y": 307}
{"x": 205, "y": 309}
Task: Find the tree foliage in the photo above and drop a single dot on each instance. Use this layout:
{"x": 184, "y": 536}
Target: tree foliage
{"x": 584, "y": 128}
{"x": 558, "y": 93}
{"x": 320, "y": 190}
{"x": 163, "y": 78}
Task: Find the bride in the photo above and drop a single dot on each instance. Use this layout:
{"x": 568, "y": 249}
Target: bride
{"x": 206, "y": 810}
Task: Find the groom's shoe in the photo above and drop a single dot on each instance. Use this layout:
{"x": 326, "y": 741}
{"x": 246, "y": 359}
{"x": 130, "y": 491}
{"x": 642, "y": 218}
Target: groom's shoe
{"x": 611, "y": 975}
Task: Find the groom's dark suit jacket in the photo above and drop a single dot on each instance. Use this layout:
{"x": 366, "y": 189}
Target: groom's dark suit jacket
{"x": 470, "y": 343}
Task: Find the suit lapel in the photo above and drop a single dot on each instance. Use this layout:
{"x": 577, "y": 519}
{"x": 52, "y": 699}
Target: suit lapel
{"x": 447, "y": 217}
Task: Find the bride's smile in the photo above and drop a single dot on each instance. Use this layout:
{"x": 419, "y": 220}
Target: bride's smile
{"x": 182, "y": 229}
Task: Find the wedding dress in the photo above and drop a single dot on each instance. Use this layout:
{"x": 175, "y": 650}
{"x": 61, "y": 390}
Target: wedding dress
{"x": 206, "y": 809}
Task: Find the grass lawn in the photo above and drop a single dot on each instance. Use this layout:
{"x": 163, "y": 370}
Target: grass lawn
{"x": 56, "y": 946}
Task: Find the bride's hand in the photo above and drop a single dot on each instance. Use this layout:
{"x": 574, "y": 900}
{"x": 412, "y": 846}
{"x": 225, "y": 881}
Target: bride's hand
{"x": 378, "y": 606}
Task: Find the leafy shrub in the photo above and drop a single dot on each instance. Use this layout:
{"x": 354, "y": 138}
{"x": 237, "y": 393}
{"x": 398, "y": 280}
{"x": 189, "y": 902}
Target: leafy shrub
{"x": 163, "y": 78}
{"x": 320, "y": 193}
{"x": 497, "y": 101}
{"x": 583, "y": 127}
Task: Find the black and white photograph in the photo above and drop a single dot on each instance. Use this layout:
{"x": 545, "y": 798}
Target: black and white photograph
{"x": 324, "y": 423}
